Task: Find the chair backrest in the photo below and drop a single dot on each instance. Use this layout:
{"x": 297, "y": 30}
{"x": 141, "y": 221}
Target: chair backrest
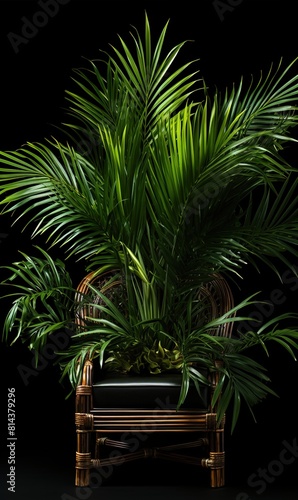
{"x": 215, "y": 295}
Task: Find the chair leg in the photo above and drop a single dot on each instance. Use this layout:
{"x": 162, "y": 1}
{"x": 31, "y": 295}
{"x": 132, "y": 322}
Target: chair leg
{"x": 83, "y": 458}
{"x": 84, "y": 427}
{"x": 217, "y": 459}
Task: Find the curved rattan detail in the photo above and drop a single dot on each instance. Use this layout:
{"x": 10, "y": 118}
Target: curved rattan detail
{"x": 218, "y": 299}
{"x": 109, "y": 283}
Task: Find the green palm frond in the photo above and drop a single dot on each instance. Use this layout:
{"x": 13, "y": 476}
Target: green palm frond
{"x": 138, "y": 87}
{"x": 42, "y": 300}
{"x": 241, "y": 380}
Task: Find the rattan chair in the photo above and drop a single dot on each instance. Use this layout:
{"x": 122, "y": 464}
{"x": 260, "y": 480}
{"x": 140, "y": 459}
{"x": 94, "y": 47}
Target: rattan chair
{"x": 124, "y": 418}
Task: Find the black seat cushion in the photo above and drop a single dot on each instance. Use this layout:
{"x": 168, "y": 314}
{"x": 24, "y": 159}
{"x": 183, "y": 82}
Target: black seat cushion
{"x": 152, "y": 391}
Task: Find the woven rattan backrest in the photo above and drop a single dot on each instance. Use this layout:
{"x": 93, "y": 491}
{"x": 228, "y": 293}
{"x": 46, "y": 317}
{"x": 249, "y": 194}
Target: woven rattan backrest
{"x": 216, "y": 295}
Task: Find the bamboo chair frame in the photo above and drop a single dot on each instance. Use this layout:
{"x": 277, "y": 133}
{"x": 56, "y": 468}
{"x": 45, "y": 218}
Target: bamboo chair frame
{"x": 96, "y": 427}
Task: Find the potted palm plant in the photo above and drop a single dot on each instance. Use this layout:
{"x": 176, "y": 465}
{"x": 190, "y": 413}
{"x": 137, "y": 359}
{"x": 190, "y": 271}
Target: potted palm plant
{"x": 156, "y": 186}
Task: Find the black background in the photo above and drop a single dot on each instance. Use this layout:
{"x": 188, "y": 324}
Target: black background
{"x": 233, "y": 41}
